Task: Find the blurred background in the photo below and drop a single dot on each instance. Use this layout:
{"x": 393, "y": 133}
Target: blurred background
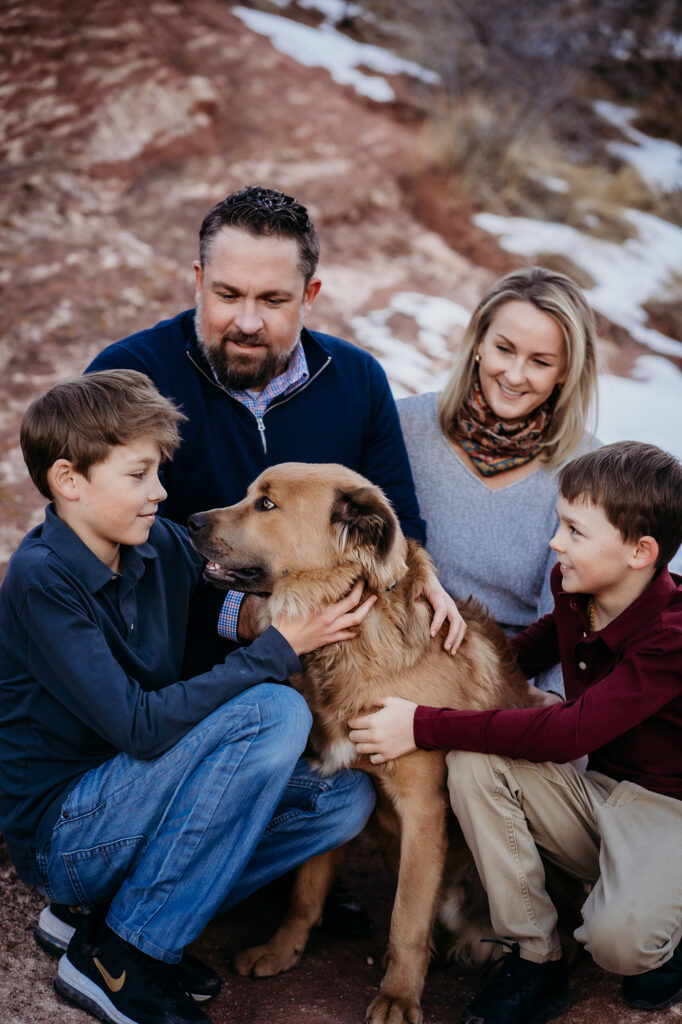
{"x": 437, "y": 144}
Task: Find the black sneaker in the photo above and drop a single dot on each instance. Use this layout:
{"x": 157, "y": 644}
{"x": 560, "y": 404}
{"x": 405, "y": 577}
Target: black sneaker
{"x": 58, "y": 922}
{"x": 56, "y": 925}
{"x": 119, "y": 984}
{"x": 343, "y": 916}
{"x": 657, "y": 989}
{"x": 522, "y": 992}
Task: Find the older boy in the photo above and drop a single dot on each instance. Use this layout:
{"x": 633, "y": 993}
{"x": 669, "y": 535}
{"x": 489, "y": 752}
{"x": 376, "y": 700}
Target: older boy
{"x": 122, "y": 783}
{"x": 616, "y": 628}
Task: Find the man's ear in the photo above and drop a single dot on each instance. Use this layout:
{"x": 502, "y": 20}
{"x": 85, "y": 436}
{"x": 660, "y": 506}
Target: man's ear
{"x": 310, "y": 294}
{"x": 645, "y": 554}
{"x": 198, "y": 279}
{"x": 63, "y": 480}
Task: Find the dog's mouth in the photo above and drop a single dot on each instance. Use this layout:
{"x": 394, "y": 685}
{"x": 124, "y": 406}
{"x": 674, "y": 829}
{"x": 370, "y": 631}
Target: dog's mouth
{"x": 234, "y": 578}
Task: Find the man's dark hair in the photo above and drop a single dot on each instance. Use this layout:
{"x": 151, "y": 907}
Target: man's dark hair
{"x": 637, "y": 486}
{"x": 263, "y": 211}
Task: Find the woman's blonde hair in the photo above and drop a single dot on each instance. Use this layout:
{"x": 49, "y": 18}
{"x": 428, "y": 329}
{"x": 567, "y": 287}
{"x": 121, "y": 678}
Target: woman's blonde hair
{"x": 560, "y": 297}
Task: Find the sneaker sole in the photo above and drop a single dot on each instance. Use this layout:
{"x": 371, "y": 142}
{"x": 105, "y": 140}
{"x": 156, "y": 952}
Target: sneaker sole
{"x": 51, "y": 934}
{"x": 79, "y": 990}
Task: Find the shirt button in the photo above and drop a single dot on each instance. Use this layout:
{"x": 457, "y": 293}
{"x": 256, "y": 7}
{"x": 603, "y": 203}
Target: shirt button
{"x": 582, "y": 665}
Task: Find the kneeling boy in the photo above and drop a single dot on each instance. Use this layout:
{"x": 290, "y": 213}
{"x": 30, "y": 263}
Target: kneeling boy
{"x": 616, "y": 628}
{"x": 122, "y": 784}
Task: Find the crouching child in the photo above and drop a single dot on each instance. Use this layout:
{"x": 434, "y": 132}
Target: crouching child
{"x": 616, "y": 630}
{"x": 155, "y": 801}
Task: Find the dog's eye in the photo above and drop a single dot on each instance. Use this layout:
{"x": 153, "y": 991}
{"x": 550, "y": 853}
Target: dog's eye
{"x": 264, "y": 504}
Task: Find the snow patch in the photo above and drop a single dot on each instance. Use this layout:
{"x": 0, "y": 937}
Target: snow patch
{"x": 657, "y": 161}
{"x": 325, "y": 47}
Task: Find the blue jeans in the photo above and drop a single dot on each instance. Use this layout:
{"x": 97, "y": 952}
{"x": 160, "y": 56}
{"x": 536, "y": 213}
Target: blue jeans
{"x": 175, "y": 840}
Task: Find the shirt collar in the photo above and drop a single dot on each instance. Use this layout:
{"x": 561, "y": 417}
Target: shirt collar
{"x": 296, "y": 373}
{"x": 68, "y": 546}
{"x": 648, "y": 606}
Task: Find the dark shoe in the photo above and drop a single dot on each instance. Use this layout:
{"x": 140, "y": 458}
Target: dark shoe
{"x": 197, "y": 978}
{"x": 343, "y": 916}
{"x": 118, "y": 983}
{"x": 58, "y": 922}
{"x": 522, "y": 992}
{"x": 56, "y": 926}
{"x": 657, "y": 989}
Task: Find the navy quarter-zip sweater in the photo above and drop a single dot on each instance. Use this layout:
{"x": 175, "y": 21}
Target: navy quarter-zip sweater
{"x": 344, "y": 413}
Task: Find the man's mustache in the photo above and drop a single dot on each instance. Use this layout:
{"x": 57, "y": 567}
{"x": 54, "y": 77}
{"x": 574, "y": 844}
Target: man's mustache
{"x": 247, "y": 340}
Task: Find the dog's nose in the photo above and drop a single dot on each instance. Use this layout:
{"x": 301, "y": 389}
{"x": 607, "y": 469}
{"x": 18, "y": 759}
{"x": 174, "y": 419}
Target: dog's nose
{"x": 196, "y": 523}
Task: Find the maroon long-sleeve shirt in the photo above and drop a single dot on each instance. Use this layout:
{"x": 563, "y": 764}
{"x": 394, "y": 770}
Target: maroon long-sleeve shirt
{"x": 623, "y": 689}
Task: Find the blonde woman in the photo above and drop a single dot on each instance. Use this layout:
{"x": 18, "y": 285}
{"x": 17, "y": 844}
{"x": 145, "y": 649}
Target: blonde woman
{"x": 484, "y": 452}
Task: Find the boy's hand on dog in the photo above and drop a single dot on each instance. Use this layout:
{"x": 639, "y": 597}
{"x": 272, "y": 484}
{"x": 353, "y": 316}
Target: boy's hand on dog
{"x": 385, "y": 734}
{"x": 444, "y": 608}
{"x": 334, "y": 623}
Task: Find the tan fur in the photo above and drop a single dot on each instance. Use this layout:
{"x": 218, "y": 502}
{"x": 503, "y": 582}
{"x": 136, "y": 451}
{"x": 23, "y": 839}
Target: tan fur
{"x": 328, "y": 528}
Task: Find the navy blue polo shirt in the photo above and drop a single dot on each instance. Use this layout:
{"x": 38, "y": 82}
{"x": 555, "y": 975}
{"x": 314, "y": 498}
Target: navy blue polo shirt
{"x": 91, "y": 663}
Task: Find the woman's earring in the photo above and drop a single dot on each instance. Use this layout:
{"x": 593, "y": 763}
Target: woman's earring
{"x": 477, "y": 357}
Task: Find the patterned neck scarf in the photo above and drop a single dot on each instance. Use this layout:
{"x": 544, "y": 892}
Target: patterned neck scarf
{"x": 494, "y": 445}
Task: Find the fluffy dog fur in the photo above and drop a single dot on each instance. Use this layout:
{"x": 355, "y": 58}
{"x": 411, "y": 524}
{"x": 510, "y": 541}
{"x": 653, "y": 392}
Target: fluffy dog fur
{"x": 304, "y": 535}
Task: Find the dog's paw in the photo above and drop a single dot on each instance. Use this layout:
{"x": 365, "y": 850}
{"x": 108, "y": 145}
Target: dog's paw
{"x": 264, "y": 962}
{"x": 388, "y": 1009}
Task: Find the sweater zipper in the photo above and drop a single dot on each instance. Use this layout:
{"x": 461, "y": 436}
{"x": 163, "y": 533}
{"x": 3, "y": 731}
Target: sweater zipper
{"x": 261, "y": 431}
{"x": 278, "y": 401}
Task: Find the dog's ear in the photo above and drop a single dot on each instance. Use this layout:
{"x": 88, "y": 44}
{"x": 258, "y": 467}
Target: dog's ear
{"x": 363, "y": 517}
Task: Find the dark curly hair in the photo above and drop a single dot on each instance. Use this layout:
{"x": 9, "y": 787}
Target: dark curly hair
{"x": 263, "y": 211}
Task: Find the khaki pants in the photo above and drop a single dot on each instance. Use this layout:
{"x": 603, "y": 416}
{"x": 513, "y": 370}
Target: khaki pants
{"x": 619, "y": 837}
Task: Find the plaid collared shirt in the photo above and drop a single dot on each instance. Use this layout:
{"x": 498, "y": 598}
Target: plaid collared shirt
{"x": 296, "y": 373}
{"x": 257, "y": 402}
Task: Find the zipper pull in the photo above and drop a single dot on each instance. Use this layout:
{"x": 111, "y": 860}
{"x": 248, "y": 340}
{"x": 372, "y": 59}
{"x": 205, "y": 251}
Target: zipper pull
{"x": 261, "y": 428}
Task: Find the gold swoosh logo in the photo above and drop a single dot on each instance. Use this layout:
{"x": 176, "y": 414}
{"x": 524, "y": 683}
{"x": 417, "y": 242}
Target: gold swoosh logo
{"x": 114, "y": 984}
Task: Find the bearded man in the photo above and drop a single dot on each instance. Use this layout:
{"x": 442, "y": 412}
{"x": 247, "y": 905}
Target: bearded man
{"x": 258, "y": 388}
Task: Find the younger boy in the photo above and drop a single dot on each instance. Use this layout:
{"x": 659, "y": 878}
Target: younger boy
{"x": 616, "y": 628}
{"x": 121, "y": 783}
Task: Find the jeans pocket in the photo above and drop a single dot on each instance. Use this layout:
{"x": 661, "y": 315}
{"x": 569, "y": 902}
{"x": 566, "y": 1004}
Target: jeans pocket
{"x": 96, "y": 874}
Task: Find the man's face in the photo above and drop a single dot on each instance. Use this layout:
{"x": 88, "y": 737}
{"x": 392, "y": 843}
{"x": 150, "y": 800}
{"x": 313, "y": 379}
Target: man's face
{"x": 251, "y": 302}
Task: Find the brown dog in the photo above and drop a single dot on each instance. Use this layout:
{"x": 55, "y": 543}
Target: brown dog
{"x": 305, "y": 534}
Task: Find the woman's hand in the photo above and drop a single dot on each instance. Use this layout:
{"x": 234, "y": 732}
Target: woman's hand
{"x": 444, "y": 608}
{"x": 330, "y": 625}
{"x": 385, "y": 734}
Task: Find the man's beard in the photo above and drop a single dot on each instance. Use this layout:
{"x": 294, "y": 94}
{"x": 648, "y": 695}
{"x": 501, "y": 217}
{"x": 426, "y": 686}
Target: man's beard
{"x": 242, "y": 378}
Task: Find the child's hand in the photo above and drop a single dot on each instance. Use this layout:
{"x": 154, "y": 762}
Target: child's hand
{"x": 385, "y": 734}
{"x": 335, "y": 622}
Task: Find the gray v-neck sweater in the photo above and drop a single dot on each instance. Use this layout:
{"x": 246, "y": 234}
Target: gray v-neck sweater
{"x": 490, "y": 543}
